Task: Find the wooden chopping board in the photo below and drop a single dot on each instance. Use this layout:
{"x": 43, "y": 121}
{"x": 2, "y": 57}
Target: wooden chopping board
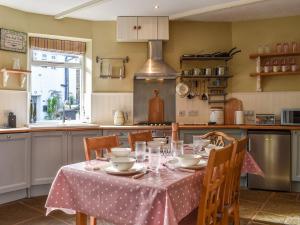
{"x": 156, "y": 109}
{"x": 231, "y": 105}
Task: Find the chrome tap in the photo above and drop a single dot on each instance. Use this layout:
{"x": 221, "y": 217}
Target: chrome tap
{"x": 64, "y": 111}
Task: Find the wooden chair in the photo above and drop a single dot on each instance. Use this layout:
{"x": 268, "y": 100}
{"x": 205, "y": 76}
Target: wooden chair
{"x": 211, "y": 207}
{"x": 218, "y": 138}
{"x": 233, "y": 187}
{"x": 97, "y": 144}
{"x": 142, "y": 136}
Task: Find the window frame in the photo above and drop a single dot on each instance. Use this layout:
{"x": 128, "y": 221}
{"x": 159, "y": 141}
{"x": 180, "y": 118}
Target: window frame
{"x": 41, "y": 63}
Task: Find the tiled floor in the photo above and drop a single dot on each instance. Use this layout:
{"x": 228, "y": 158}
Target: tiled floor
{"x": 257, "y": 208}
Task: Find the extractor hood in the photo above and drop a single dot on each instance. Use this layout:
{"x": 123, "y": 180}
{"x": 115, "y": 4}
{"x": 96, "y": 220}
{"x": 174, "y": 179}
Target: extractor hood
{"x": 155, "y": 67}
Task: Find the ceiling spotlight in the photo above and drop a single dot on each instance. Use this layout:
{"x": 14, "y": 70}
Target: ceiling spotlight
{"x": 156, "y": 6}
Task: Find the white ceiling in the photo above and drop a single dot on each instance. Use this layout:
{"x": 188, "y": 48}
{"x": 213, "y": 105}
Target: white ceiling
{"x": 201, "y": 10}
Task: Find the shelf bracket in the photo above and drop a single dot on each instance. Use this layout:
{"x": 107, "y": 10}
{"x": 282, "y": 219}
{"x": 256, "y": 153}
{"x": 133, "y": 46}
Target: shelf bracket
{"x": 23, "y": 78}
{"x": 258, "y": 84}
{"x": 5, "y": 78}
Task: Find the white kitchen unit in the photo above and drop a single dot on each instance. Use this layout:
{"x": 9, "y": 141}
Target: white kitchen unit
{"x": 49, "y": 153}
{"x": 138, "y": 29}
{"x": 14, "y": 166}
{"x": 295, "y": 155}
{"x": 76, "y": 146}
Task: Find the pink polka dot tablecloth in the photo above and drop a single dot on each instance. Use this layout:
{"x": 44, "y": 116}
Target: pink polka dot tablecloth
{"x": 250, "y": 166}
{"x": 154, "y": 199}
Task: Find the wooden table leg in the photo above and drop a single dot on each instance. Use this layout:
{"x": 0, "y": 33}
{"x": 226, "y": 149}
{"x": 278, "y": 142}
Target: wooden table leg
{"x": 81, "y": 218}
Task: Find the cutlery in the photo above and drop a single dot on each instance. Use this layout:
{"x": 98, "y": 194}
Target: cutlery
{"x": 137, "y": 176}
{"x": 180, "y": 169}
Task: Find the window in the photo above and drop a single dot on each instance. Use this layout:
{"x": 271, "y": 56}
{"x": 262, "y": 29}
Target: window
{"x": 56, "y": 86}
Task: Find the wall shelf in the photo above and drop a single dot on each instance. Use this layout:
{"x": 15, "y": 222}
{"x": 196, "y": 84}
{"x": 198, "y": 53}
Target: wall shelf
{"x": 206, "y": 77}
{"x": 21, "y": 73}
{"x": 259, "y": 57}
{"x": 274, "y": 54}
{"x": 274, "y": 74}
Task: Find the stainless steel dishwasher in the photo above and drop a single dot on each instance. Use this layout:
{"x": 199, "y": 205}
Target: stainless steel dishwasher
{"x": 272, "y": 152}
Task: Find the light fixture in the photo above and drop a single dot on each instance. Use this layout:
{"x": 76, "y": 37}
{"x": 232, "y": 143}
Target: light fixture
{"x": 156, "y": 6}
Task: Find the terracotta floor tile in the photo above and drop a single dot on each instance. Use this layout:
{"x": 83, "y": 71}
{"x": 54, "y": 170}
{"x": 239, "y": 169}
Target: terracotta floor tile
{"x": 293, "y": 220}
{"x": 15, "y": 213}
{"x": 256, "y": 196}
{"x": 282, "y": 207}
{"x": 285, "y": 195}
{"x": 36, "y": 202}
{"x": 266, "y": 217}
{"x": 43, "y": 220}
{"x": 248, "y": 209}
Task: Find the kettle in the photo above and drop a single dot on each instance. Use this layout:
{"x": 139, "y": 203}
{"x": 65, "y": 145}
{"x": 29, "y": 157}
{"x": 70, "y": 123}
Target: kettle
{"x": 119, "y": 118}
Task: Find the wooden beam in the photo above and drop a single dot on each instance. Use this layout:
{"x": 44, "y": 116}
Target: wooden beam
{"x": 77, "y": 8}
{"x": 213, "y": 8}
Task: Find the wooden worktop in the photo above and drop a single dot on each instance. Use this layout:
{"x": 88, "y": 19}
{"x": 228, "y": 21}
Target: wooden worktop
{"x": 137, "y": 127}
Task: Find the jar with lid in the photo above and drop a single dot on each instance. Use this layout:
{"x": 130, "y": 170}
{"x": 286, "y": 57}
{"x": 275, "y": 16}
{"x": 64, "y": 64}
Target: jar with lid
{"x": 217, "y": 115}
{"x": 293, "y": 65}
{"x": 267, "y": 67}
{"x": 284, "y": 65}
{"x": 285, "y": 47}
{"x": 276, "y": 67}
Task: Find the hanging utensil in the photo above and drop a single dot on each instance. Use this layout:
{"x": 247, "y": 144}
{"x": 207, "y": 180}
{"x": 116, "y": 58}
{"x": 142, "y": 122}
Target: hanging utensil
{"x": 204, "y": 96}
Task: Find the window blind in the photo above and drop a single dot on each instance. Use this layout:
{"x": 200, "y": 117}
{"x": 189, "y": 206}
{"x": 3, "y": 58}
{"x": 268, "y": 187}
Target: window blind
{"x": 74, "y": 47}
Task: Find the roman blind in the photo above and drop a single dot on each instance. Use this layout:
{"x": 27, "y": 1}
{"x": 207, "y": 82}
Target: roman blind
{"x": 74, "y": 47}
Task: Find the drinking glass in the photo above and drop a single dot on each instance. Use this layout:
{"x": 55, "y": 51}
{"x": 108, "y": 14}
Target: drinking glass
{"x": 197, "y": 144}
{"x": 154, "y": 158}
{"x": 140, "y": 151}
{"x": 177, "y": 148}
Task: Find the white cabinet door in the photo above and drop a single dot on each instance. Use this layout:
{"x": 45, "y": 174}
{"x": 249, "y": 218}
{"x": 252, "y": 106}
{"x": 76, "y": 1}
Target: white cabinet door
{"x": 49, "y": 153}
{"x": 147, "y": 28}
{"x": 163, "y": 28}
{"x": 14, "y": 162}
{"x": 127, "y": 28}
{"x": 295, "y": 155}
{"x": 76, "y": 146}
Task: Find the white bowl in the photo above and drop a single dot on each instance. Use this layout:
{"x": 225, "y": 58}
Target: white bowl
{"x": 189, "y": 159}
{"x": 205, "y": 142}
{"x": 121, "y": 152}
{"x": 122, "y": 164}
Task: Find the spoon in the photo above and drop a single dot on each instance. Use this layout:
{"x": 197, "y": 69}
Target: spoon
{"x": 204, "y": 96}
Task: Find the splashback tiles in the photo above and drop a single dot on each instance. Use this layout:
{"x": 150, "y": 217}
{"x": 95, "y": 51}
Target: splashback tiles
{"x": 16, "y": 102}
{"x": 104, "y": 104}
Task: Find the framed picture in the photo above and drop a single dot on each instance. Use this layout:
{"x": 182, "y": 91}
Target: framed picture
{"x": 14, "y": 41}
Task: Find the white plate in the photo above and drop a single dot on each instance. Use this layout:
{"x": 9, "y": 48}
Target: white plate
{"x": 137, "y": 168}
{"x": 202, "y": 163}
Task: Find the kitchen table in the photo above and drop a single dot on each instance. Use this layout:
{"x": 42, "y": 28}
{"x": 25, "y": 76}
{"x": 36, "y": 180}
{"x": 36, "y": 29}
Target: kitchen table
{"x": 153, "y": 199}
{"x": 164, "y": 198}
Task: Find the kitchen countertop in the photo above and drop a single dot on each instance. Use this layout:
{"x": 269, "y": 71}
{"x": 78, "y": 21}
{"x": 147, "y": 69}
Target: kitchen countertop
{"x": 83, "y": 127}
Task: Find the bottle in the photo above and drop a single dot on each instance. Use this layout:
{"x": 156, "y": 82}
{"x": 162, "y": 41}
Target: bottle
{"x": 175, "y": 132}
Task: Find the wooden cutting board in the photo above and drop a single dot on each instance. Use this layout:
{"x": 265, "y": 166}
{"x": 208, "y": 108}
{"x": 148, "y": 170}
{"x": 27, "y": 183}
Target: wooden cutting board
{"x": 156, "y": 109}
{"x": 231, "y": 105}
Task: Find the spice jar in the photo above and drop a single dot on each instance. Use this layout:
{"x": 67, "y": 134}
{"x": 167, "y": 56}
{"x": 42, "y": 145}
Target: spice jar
{"x": 294, "y": 46}
{"x": 285, "y": 47}
{"x": 279, "y": 47}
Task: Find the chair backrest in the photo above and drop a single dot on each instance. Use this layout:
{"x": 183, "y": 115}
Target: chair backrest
{"x": 236, "y": 164}
{"x": 97, "y": 144}
{"x": 141, "y": 136}
{"x": 214, "y": 185}
{"x": 218, "y": 138}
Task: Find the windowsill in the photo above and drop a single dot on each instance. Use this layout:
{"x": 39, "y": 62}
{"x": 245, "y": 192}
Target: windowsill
{"x": 57, "y": 123}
